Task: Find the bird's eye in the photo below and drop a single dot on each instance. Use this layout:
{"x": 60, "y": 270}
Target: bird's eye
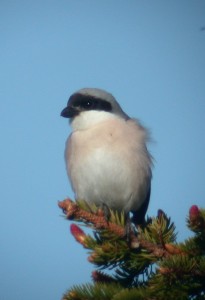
{"x": 88, "y": 103}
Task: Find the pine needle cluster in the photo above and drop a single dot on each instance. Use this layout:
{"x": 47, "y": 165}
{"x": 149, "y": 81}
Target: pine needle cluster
{"x": 138, "y": 262}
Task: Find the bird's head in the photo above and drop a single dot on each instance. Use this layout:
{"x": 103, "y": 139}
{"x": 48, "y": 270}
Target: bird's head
{"x": 91, "y": 105}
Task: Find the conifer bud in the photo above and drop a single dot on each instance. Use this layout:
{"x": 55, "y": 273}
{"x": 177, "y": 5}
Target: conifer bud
{"x": 164, "y": 271}
{"x": 172, "y": 249}
{"x": 78, "y": 234}
{"x": 92, "y": 258}
{"x": 99, "y": 276}
{"x": 196, "y": 219}
{"x": 194, "y": 212}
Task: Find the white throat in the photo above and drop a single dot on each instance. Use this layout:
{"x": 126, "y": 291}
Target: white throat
{"x": 89, "y": 118}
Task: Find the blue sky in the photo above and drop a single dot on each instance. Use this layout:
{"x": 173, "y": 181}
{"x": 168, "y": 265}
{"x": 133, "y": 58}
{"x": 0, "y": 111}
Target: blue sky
{"x": 151, "y": 56}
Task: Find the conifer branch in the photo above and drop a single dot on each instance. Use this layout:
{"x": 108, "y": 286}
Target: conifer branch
{"x": 72, "y": 210}
{"x": 180, "y": 267}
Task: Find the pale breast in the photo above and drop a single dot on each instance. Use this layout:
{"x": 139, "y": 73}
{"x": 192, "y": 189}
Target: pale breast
{"x": 109, "y": 163}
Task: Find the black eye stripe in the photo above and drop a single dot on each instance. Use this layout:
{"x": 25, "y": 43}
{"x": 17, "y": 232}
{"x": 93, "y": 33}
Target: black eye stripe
{"x": 86, "y": 102}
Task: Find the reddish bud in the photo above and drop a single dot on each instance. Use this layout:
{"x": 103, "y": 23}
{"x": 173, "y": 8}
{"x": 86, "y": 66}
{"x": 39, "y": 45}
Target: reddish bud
{"x": 196, "y": 219}
{"x": 78, "y": 234}
{"x": 164, "y": 271}
{"x": 92, "y": 257}
{"x": 172, "y": 249}
{"x": 194, "y": 212}
{"x": 99, "y": 276}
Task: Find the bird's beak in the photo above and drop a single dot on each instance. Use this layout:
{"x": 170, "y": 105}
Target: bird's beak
{"x": 69, "y": 112}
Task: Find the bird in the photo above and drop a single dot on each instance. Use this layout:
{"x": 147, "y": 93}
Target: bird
{"x": 106, "y": 155}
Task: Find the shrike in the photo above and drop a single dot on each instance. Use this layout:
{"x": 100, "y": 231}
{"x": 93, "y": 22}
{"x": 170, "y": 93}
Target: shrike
{"x": 106, "y": 156}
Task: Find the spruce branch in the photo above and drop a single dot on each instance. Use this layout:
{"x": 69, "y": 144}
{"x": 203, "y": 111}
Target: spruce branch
{"x": 74, "y": 211}
{"x": 147, "y": 264}
{"x": 150, "y": 239}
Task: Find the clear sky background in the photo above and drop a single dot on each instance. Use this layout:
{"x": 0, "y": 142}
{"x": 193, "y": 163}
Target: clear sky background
{"x": 151, "y": 56}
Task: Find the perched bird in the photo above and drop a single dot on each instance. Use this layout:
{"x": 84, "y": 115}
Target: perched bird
{"x": 106, "y": 156}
